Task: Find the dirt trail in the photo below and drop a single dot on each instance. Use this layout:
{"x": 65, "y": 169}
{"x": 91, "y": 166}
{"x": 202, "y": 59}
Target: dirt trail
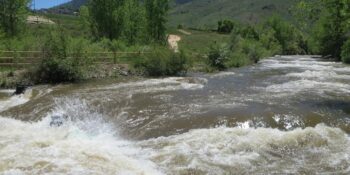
{"x": 173, "y": 42}
{"x": 39, "y": 20}
{"x": 185, "y": 32}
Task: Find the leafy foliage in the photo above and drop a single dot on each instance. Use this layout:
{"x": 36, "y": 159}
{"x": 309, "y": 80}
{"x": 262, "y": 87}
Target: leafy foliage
{"x": 330, "y": 28}
{"x": 64, "y": 59}
{"x": 217, "y": 56}
{"x": 163, "y": 62}
{"x": 156, "y": 11}
{"x": 107, "y": 17}
{"x": 289, "y": 38}
{"x": 126, "y": 20}
{"x": 13, "y": 14}
{"x": 225, "y": 26}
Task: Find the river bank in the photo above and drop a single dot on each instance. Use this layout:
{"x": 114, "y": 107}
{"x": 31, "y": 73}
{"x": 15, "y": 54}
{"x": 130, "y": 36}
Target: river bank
{"x": 11, "y": 78}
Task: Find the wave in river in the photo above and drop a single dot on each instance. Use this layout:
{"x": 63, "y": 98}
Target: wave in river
{"x": 38, "y": 148}
{"x": 159, "y": 85}
{"x": 15, "y": 100}
{"x": 253, "y": 151}
{"x": 79, "y": 146}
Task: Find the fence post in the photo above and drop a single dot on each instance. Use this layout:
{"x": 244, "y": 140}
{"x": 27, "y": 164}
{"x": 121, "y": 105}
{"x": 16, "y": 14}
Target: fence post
{"x": 115, "y": 57}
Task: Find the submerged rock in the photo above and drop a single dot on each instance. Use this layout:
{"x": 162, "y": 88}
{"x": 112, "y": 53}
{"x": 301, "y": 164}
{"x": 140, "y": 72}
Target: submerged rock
{"x": 57, "y": 121}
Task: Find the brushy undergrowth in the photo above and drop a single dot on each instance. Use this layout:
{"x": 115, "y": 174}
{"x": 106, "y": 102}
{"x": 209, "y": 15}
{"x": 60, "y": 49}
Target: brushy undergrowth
{"x": 64, "y": 59}
{"x": 161, "y": 61}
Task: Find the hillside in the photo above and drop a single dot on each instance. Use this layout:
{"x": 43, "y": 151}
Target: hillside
{"x": 206, "y": 13}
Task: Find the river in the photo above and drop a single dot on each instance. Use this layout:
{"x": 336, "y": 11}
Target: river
{"x": 285, "y": 115}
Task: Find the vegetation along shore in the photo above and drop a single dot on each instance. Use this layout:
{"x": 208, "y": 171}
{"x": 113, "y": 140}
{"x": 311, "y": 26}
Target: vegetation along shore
{"x": 109, "y": 38}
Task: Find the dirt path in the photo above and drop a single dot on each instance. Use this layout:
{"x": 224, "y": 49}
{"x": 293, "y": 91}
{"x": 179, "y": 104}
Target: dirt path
{"x": 173, "y": 42}
{"x": 39, "y": 20}
{"x": 185, "y": 32}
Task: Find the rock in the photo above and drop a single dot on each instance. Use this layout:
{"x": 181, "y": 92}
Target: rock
{"x": 20, "y": 89}
{"x": 124, "y": 73}
{"x": 57, "y": 121}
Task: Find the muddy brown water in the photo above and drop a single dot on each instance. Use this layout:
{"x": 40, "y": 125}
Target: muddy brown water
{"x": 285, "y": 115}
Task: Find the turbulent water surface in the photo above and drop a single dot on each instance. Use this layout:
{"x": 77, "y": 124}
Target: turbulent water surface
{"x": 285, "y": 115}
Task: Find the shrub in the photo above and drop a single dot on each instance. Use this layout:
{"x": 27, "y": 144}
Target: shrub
{"x": 345, "y": 54}
{"x": 268, "y": 40}
{"x": 217, "y": 56}
{"x": 249, "y": 32}
{"x": 163, "y": 62}
{"x": 237, "y": 59}
{"x": 254, "y": 50}
{"x": 225, "y": 26}
{"x": 290, "y": 38}
{"x": 64, "y": 59}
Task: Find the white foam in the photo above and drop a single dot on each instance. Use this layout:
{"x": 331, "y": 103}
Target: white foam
{"x": 88, "y": 144}
{"x": 156, "y": 85}
{"x": 306, "y": 64}
{"x": 309, "y": 86}
{"x": 15, "y": 100}
{"x": 84, "y": 144}
{"x": 252, "y": 151}
{"x": 7, "y": 91}
{"x": 222, "y": 75}
{"x": 322, "y": 75}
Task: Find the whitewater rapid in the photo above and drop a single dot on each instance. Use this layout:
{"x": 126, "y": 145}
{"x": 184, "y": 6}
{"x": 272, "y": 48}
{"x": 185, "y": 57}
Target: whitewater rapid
{"x": 37, "y": 148}
{"x": 285, "y": 115}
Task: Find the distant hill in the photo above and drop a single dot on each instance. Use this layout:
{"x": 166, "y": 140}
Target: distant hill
{"x": 73, "y": 5}
{"x": 206, "y": 13}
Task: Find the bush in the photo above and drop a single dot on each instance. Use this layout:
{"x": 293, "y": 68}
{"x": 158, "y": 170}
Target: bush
{"x": 268, "y": 40}
{"x": 254, "y": 50}
{"x": 163, "y": 62}
{"x": 217, "y": 56}
{"x": 64, "y": 59}
{"x": 345, "y": 54}
{"x": 225, "y": 26}
{"x": 289, "y": 38}
{"x": 237, "y": 59}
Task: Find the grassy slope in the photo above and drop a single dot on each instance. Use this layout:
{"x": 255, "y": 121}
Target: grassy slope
{"x": 197, "y": 44}
{"x": 206, "y": 13}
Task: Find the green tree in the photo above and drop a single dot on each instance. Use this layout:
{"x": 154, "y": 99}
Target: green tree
{"x": 290, "y": 39}
{"x": 107, "y": 18}
{"x": 134, "y": 21}
{"x": 64, "y": 59}
{"x": 156, "y": 13}
{"x": 85, "y": 19}
{"x": 333, "y": 24}
{"x": 330, "y": 26}
{"x": 13, "y": 15}
{"x": 225, "y": 26}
